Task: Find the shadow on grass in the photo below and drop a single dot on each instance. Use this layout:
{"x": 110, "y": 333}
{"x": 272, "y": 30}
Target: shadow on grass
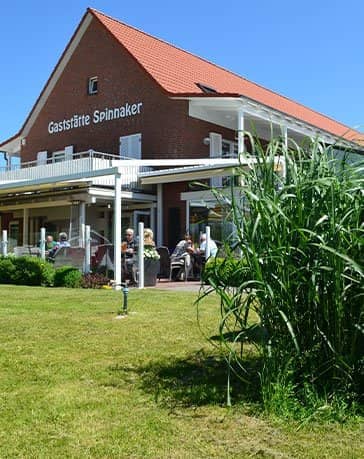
{"x": 197, "y": 380}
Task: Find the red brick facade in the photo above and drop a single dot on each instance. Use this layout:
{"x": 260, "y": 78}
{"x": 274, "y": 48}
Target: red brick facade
{"x": 167, "y": 129}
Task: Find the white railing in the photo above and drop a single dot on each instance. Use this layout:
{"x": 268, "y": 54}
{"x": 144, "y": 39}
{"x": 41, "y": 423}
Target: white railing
{"x": 80, "y": 163}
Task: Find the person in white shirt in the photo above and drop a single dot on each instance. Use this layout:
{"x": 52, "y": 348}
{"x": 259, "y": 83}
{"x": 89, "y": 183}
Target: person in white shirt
{"x": 212, "y": 246}
{"x": 199, "y": 255}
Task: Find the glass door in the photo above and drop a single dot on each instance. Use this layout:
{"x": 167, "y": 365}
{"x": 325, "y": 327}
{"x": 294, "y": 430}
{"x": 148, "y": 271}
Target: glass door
{"x": 141, "y": 216}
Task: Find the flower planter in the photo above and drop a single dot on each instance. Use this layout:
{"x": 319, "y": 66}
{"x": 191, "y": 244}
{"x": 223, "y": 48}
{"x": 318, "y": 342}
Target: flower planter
{"x": 151, "y": 270}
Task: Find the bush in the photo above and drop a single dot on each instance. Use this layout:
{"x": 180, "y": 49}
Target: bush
{"x": 94, "y": 280}
{"x": 67, "y": 276}
{"x": 225, "y": 272}
{"x": 30, "y": 271}
{"x": 7, "y": 270}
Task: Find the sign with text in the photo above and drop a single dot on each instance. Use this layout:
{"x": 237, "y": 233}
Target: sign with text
{"x": 98, "y": 116}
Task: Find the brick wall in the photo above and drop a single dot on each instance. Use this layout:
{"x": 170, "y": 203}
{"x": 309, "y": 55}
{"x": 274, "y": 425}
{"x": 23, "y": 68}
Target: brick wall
{"x": 167, "y": 130}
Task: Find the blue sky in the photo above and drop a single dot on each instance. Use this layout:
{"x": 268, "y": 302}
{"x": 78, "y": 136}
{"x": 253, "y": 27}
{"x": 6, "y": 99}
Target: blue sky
{"x": 310, "y": 51}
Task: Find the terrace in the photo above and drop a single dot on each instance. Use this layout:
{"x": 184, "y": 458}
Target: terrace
{"x": 85, "y": 163}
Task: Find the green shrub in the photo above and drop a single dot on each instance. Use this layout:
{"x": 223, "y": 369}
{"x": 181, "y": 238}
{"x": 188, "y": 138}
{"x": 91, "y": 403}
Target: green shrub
{"x": 7, "y": 270}
{"x": 67, "y": 276}
{"x": 225, "y": 272}
{"x": 31, "y": 271}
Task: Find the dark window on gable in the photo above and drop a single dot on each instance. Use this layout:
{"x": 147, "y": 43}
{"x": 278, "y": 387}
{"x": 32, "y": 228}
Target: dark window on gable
{"x": 92, "y": 86}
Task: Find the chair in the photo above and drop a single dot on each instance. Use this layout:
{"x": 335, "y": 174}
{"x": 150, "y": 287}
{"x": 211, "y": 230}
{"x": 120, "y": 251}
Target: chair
{"x": 104, "y": 256}
{"x": 165, "y": 263}
{"x": 182, "y": 265}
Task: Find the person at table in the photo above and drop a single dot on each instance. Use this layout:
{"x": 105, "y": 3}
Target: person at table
{"x": 181, "y": 254}
{"x": 50, "y": 243}
{"x": 128, "y": 245}
{"x": 199, "y": 255}
{"x": 149, "y": 237}
{"x": 62, "y": 242}
{"x": 203, "y": 246}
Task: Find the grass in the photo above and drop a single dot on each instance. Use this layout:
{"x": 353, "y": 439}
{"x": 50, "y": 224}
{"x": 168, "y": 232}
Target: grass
{"x": 76, "y": 382}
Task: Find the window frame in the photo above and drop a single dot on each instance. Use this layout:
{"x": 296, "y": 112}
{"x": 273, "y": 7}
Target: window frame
{"x": 91, "y": 90}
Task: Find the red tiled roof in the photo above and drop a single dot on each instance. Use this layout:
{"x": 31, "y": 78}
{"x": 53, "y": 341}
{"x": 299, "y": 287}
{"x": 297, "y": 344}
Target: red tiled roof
{"x": 178, "y": 71}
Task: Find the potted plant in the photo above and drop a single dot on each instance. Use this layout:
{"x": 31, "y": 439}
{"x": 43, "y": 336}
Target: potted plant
{"x": 151, "y": 265}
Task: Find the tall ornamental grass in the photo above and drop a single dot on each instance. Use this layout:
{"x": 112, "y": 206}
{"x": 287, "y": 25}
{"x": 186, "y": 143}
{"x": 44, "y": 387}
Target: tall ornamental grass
{"x": 301, "y": 236}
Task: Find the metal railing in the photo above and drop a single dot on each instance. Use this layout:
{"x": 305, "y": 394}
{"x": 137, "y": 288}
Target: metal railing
{"x": 83, "y": 162}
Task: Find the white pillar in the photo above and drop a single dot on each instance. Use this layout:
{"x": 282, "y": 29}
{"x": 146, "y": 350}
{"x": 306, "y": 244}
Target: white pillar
{"x": 81, "y": 224}
{"x": 152, "y": 218}
{"x": 141, "y": 255}
{"x": 241, "y": 143}
{"x": 87, "y": 249}
{"x": 159, "y": 214}
{"x": 208, "y": 236}
{"x": 187, "y": 225}
{"x": 283, "y": 159}
{"x": 117, "y": 231}
{"x": 42, "y": 243}
{"x": 32, "y": 236}
{"x": 4, "y": 243}
{"x": 25, "y": 226}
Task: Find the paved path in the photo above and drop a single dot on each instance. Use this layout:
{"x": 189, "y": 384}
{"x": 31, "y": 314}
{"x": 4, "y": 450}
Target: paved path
{"x": 189, "y": 286}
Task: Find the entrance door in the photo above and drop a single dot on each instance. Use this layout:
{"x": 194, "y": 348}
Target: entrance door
{"x": 14, "y": 234}
{"x": 141, "y": 216}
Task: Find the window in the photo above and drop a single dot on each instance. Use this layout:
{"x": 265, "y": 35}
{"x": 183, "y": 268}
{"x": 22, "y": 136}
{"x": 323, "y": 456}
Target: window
{"x": 221, "y": 148}
{"x": 131, "y": 146}
{"x": 229, "y": 149}
{"x": 92, "y": 86}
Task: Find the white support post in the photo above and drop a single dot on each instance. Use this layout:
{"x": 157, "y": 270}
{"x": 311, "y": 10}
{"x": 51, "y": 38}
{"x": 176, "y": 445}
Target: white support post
{"x": 187, "y": 226}
{"x": 159, "y": 214}
{"x": 208, "y": 236}
{"x": 117, "y": 232}
{"x": 152, "y": 218}
{"x": 285, "y": 134}
{"x": 241, "y": 143}
{"x": 32, "y": 236}
{"x": 4, "y": 244}
{"x": 87, "y": 249}
{"x": 42, "y": 244}
{"x": 81, "y": 225}
{"x": 141, "y": 255}
{"x": 25, "y": 226}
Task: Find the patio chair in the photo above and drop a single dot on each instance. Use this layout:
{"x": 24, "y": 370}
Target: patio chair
{"x": 165, "y": 263}
{"x": 180, "y": 268}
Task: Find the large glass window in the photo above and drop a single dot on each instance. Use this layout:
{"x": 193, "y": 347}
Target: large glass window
{"x": 209, "y": 213}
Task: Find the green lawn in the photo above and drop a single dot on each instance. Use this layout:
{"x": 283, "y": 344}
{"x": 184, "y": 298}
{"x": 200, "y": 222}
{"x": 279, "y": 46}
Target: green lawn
{"x": 77, "y": 382}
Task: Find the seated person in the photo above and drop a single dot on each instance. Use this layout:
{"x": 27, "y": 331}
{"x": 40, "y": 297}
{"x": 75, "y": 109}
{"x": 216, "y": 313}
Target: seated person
{"x": 148, "y": 237}
{"x": 50, "y": 243}
{"x": 129, "y": 249}
{"x": 199, "y": 255}
{"x": 62, "y": 242}
{"x": 181, "y": 254}
{"x": 212, "y": 246}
